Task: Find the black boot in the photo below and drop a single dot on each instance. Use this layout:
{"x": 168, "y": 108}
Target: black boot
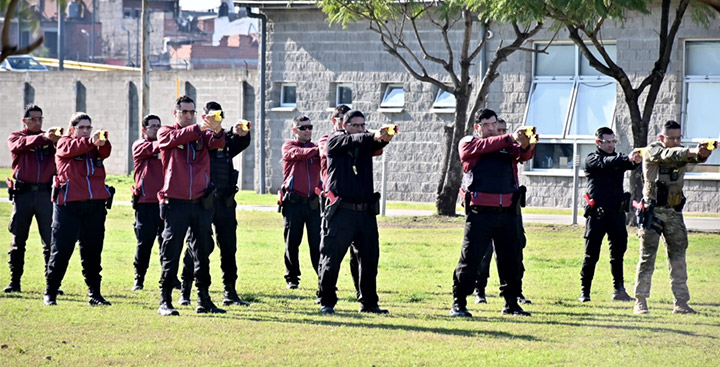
{"x": 14, "y": 286}
{"x": 513, "y": 308}
{"x": 459, "y": 307}
{"x": 96, "y": 298}
{"x": 480, "y": 296}
{"x": 205, "y": 304}
{"x": 139, "y": 282}
{"x": 185, "y": 290}
{"x": 584, "y": 293}
{"x": 231, "y": 298}
{"x": 166, "y": 306}
{"x": 50, "y": 298}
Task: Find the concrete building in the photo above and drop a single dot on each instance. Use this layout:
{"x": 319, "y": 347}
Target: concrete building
{"x": 312, "y": 67}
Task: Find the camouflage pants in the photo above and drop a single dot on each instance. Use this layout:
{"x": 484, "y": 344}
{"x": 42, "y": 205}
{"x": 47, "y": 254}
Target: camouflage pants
{"x": 675, "y": 237}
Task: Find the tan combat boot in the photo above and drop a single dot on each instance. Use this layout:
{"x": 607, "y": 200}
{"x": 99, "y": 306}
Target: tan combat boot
{"x": 683, "y": 308}
{"x": 641, "y": 307}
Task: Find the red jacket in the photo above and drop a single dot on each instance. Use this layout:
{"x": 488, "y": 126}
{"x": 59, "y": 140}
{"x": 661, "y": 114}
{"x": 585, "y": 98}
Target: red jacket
{"x": 80, "y": 170}
{"x": 471, "y": 148}
{"x": 185, "y": 160}
{"x": 148, "y": 170}
{"x": 33, "y": 157}
{"x": 301, "y": 167}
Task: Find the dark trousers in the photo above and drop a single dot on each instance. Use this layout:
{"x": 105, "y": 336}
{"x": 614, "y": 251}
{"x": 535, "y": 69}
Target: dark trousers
{"x": 26, "y": 205}
{"x": 482, "y": 230}
{"x": 484, "y": 269}
{"x": 612, "y": 224}
{"x": 148, "y": 227}
{"x": 345, "y": 229}
{"x": 295, "y": 217}
{"x": 181, "y": 215}
{"x": 225, "y": 221}
{"x": 82, "y": 221}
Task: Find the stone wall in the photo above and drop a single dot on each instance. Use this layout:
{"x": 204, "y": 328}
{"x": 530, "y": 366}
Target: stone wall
{"x": 112, "y": 100}
{"x": 304, "y": 49}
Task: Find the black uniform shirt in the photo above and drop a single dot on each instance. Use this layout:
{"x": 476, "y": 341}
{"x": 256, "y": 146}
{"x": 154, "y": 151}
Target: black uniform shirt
{"x": 221, "y": 164}
{"x": 605, "y": 173}
{"x": 350, "y": 167}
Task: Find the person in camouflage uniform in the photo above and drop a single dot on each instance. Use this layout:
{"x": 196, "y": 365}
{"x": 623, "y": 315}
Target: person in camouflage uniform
{"x": 664, "y": 166}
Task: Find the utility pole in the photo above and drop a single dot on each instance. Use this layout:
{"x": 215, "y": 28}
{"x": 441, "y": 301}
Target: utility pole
{"x": 61, "y": 35}
{"x": 145, "y": 62}
{"x": 92, "y": 31}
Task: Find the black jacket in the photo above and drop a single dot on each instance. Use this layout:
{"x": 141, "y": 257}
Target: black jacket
{"x": 350, "y": 166}
{"x": 221, "y": 164}
{"x": 605, "y": 173}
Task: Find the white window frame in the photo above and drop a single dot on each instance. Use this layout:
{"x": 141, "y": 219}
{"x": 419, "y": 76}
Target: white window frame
{"x": 565, "y": 137}
{"x": 282, "y": 95}
{"x": 691, "y": 141}
{"x": 337, "y": 94}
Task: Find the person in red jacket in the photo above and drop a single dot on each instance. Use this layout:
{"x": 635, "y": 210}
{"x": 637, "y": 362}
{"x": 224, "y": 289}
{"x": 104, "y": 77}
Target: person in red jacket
{"x": 300, "y": 205}
{"x": 33, "y": 165}
{"x": 491, "y": 199}
{"x": 148, "y": 181}
{"x": 186, "y": 200}
{"x": 79, "y": 213}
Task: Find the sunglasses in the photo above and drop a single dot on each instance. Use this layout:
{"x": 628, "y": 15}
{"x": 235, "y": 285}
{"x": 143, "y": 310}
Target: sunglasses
{"x": 609, "y": 141}
{"x": 190, "y": 112}
{"x": 305, "y": 127}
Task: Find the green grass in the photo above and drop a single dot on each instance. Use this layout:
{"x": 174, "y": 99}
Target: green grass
{"x": 418, "y": 255}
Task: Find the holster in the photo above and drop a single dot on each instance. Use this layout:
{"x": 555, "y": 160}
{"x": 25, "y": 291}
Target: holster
{"x": 679, "y": 207}
{"x": 466, "y": 202}
{"x": 11, "y": 188}
{"x": 55, "y": 192}
{"x": 523, "y": 195}
{"x": 662, "y": 193}
{"x": 208, "y": 199}
{"x": 135, "y": 199}
{"x": 109, "y": 201}
{"x": 330, "y": 209}
{"x": 646, "y": 218}
{"x": 375, "y": 206}
{"x": 625, "y": 203}
{"x": 281, "y": 199}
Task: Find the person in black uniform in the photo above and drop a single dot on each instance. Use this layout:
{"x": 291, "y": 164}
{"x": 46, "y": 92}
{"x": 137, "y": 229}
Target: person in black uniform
{"x": 605, "y": 211}
{"x": 491, "y": 195}
{"x": 349, "y": 216}
{"x": 224, "y": 176}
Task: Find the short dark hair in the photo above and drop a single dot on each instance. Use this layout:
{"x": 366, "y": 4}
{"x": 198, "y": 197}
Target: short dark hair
{"x": 340, "y": 110}
{"x": 501, "y": 121}
{"x": 351, "y": 115}
{"x": 31, "y": 107}
{"x": 671, "y": 125}
{"x": 77, "y": 116}
{"x": 146, "y": 120}
{"x": 183, "y": 99}
{"x": 484, "y": 114}
{"x": 603, "y": 131}
{"x": 212, "y": 106}
{"x": 298, "y": 119}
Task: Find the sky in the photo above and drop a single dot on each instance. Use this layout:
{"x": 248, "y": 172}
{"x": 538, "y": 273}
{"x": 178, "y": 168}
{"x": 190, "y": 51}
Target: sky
{"x": 199, "y": 4}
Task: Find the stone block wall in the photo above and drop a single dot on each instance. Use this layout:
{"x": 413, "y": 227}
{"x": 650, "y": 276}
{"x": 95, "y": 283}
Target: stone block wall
{"x": 304, "y": 49}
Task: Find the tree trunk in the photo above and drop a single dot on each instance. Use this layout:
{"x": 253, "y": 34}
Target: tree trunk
{"x": 450, "y": 182}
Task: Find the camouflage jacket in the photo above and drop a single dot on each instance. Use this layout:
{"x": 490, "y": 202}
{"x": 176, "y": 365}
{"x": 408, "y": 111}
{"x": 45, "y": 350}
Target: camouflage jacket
{"x": 665, "y": 168}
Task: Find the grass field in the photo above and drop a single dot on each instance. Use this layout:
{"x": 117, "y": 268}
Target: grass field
{"x": 418, "y": 255}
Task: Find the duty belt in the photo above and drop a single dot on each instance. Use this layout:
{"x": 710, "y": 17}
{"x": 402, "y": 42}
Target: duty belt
{"x": 356, "y": 207}
{"x": 23, "y": 186}
{"x": 490, "y": 209}
{"x": 181, "y": 201}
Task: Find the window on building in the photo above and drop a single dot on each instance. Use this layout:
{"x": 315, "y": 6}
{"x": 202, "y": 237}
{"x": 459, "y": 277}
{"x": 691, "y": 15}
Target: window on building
{"x": 344, "y": 95}
{"x": 394, "y": 96}
{"x": 701, "y": 108}
{"x": 288, "y": 95}
{"x": 444, "y": 100}
{"x": 568, "y": 101}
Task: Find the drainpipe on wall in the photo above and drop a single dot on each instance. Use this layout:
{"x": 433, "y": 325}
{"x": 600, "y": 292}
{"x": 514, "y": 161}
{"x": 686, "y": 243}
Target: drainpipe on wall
{"x": 261, "y": 122}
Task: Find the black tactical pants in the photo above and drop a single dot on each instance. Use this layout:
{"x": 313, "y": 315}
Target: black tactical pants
{"x": 483, "y": 228}
{"x": 26, "y": 205}
{"x": 82, "y": 221}
{"x": 356, "y": 229}
{"x": 148, "y": 227}
{"x": 225, "y": 222}
{"x": 181, "y": 215}
{"x": 612, "y": 224}
{"x": 296, "y": 216}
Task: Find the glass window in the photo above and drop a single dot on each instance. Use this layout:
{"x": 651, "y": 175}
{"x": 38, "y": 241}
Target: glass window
{"x": 444, "y": 99}
{"x": 344, "y": 95}
{"x": 703, "y": 58}
{"x": 586, "y": 69}
{"x": 558, "y": 61}
{"x": 594, "y": 108}
{"x": 394, "y": 96}
{"x": 702, "y": 110}
{"x": 288, "y": 95}
{"x": 548, "y": 107}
